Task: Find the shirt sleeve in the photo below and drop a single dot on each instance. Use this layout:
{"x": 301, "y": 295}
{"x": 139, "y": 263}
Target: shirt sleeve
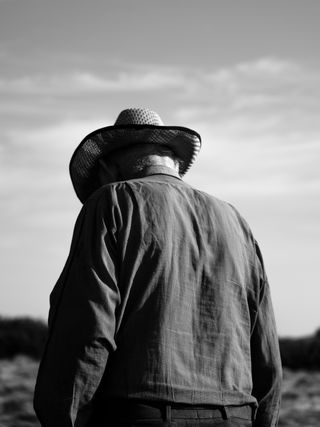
{"x": 82, "y": 321}
{"x": 265, "y": 356}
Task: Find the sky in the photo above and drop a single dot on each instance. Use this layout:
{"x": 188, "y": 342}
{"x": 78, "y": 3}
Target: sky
{"x": 242, "y": 73}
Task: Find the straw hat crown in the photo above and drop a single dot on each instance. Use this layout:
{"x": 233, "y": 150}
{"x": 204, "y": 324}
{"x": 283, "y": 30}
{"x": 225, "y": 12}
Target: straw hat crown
{"x": 138, "y": 116}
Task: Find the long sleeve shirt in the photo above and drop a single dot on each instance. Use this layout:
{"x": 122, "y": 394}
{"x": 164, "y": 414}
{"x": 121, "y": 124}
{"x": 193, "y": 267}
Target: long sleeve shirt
{"x": 164, "y": 296}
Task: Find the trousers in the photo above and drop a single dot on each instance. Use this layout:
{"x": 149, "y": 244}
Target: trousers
{"x": 130, "y": 413}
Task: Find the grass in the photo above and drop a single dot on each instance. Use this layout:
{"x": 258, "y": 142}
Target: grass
{"x": 17, "y": 380}
{"x": 300, "y": 399}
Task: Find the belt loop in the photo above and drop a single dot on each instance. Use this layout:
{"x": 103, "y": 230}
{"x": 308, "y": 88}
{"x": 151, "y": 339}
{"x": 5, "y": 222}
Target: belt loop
{"x": 224, "y": 411}
{"x": 168, "y": 413}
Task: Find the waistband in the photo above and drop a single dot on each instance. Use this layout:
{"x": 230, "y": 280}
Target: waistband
{"x": 139, "y": 409}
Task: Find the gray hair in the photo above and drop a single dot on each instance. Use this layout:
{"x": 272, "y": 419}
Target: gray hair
{"x": 132, "y": 160}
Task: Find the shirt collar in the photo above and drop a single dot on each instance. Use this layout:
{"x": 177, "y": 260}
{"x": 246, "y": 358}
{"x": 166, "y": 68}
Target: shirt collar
{"x": 158, "y": 170}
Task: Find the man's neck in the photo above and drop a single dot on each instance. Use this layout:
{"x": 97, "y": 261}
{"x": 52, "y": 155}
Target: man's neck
{"x": 143, "y": 165}
{"x": 155, "y": 169}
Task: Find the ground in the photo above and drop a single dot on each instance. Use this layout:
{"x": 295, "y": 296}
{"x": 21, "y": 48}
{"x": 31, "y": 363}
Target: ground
{"x": 300, "y": 397}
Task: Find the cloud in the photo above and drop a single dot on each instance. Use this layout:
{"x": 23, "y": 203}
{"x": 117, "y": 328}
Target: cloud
{"x": 83, "y": 82}
{"x": 257, "y": 119}
{"x": 35, "y": 181}
{"x": 262, "y": 83}
{"x": 259, "y": 125}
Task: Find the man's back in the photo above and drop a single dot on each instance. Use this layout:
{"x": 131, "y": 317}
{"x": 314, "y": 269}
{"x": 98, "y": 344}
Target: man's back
{"x": 190, "y": 282}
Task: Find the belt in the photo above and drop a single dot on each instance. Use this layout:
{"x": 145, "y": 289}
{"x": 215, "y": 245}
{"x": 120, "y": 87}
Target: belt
{"x": 135, "y": 409}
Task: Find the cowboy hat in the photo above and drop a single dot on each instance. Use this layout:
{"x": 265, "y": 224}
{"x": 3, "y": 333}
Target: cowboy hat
{"x": 133, "y": 126}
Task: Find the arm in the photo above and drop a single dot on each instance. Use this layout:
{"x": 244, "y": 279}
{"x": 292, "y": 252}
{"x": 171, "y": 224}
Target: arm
{"x": 82, "y": 323}
{"x": 265, "y": 356}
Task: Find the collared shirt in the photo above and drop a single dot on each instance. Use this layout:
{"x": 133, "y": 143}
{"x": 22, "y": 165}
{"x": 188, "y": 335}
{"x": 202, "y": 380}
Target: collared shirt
{"x": 163, "y": 297}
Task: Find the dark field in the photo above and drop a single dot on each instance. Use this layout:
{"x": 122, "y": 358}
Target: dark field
{"x": 300, "y": 402}
{"x": 17, "y": 379}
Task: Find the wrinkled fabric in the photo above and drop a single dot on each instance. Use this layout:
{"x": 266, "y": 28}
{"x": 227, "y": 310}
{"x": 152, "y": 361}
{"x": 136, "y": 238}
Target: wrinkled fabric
{"x": 164, "y": 296}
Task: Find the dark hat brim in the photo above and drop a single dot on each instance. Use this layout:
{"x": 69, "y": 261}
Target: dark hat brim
{"x": 184, "y": 142}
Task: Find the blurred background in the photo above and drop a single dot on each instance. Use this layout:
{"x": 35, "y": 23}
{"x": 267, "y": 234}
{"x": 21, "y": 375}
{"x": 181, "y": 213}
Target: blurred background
{"x": 244, "y": 74}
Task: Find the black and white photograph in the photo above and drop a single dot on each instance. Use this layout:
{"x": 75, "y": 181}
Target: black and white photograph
{"x": 160, "y": 213}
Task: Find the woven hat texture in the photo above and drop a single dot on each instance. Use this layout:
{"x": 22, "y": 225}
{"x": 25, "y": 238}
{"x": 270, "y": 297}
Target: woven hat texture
{"x": 133, "y": 126}
{"x": 138, "y": 116}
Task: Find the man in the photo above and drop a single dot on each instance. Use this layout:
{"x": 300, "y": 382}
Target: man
{"x": 162, "y": 314}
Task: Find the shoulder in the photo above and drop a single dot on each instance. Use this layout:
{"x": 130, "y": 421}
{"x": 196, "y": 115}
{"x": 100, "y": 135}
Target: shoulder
{"x": 103, "y": 194}
{"x": 101, "y": 203}
{"x": 214, "y": 202}
{"x": 111, "y": 201}
{"x": 226, "y": 211}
